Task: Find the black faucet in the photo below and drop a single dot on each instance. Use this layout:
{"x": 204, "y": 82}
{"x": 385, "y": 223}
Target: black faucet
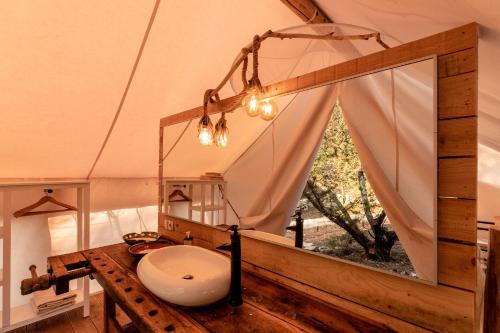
{"x": 298, "y": 228}
{"x": 235, "y": 298}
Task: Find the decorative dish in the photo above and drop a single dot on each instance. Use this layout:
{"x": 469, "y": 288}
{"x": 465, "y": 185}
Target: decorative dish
{"x": 140, "y": 249}
{"x": 144, "y": 237}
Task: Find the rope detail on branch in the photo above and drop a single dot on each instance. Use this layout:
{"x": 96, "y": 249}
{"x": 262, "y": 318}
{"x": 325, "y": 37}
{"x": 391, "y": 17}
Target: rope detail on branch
{"x": 255, "y": 74}
{"x": 254, "y": 49}
{"x": 244, "y": 72}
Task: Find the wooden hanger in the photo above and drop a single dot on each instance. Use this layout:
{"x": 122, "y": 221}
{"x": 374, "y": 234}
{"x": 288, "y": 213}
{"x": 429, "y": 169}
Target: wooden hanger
{"x": 27, "y": 211}
{"x": 178, "y": 193}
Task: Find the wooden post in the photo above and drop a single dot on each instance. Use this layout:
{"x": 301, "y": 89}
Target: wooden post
{"x": 202, "y": 203}
{"x": 190, "y": 209}
{"x": 6, "y": 258}
{"x": 160, "y": 174}
{"x": 79, "y": 226}
{"x": 86, "y": 245}
{"x": 224, "y": 202}
{"x": 212, "y": 203}
{"x": 109, "y": 312}
{"x": 492, "y": 290}
{"x": 166, "y": 203}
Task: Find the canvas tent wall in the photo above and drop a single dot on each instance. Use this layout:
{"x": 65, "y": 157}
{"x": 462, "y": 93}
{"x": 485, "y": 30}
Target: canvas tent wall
{"x": 63, "y": 74}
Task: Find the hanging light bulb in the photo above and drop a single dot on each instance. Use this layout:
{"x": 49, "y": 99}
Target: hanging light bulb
{"x": 221, "y": 132}
{"x": 251, "y": 103}
{"x": 268, "y": 109}
{"x": 205, "y": 131}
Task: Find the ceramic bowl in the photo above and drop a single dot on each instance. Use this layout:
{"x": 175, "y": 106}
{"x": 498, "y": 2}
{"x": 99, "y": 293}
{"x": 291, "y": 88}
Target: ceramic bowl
{"x": 141, "y": 249}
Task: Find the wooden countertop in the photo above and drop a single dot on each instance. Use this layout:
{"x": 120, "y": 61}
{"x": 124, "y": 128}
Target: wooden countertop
{"x": 267, "y": 307}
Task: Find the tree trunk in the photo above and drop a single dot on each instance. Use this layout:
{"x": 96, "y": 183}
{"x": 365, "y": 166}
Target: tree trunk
{"x": 342, "y": 220}
{"x": 383, "y": 240}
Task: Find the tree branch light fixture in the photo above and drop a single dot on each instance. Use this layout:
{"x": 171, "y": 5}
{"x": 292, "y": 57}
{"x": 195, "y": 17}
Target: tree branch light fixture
{"x": 205, "y": 131}
{"x": 205, "y": 127}
{"x": 268, "y": 109}
{"x": 254, "y": 102}
{"x": 221, "y": 132}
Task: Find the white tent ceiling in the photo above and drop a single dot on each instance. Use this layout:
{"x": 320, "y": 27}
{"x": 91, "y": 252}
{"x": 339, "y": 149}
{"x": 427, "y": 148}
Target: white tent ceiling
{"x": 65, "y": 64}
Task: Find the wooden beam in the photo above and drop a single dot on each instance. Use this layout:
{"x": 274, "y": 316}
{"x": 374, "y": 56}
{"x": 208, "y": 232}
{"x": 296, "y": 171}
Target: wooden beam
{"x": 307, "y": 11}
{"x": 442, "y": 44}
{"x": 492, "y": 290}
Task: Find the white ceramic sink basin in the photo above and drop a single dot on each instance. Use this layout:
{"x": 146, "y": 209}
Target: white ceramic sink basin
{"x": 186, "y": 275}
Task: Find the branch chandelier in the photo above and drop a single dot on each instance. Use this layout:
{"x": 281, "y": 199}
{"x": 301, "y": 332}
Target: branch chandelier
{"x": 254, "y": 102}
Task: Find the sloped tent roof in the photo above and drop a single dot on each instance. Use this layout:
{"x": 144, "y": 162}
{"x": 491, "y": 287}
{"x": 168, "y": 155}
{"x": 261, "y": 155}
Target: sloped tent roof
{"x": 65, "y": 65}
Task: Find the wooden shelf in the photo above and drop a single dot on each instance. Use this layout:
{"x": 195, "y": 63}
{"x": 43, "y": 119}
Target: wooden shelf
{"x": 42, "y": 184}
{"x": 23, "y": 315}
{"x": 208, "y": 208}
{"x": 209, "y": 195}
{"x": 188, "y": 181}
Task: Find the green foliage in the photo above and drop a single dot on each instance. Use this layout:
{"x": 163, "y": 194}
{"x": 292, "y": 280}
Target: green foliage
{"x": 337, "y": 164}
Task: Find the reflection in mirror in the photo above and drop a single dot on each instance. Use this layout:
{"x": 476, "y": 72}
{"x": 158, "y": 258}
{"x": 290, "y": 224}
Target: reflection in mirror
{"x": 200, "y": 200}
{"x": 370, "y": 196}
{"x": 355, "y": 159}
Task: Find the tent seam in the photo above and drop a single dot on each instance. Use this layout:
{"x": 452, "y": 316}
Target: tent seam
{"x": 127, "y": 87}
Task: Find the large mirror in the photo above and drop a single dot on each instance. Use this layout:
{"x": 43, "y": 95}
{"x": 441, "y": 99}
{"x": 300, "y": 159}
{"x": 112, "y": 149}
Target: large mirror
{"x": 347, "y": 171}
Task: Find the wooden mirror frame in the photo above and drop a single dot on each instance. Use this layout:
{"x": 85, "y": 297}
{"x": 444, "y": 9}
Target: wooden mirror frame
{"x": 402, "y": 304}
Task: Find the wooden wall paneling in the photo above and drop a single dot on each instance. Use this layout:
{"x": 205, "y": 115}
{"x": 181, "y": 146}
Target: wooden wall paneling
{"x": 418, "y": 303}
{"x": 457, "y": 63}
{"x": 207, "y": 236}
{"x": 457, "y": 220}
{"x": 457, "y": 96}
{"x": 457, "y": 265}
{"x": 457, "y": 137}
{"x": 393, "y": 322}
{"x": 458, "y": 177}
